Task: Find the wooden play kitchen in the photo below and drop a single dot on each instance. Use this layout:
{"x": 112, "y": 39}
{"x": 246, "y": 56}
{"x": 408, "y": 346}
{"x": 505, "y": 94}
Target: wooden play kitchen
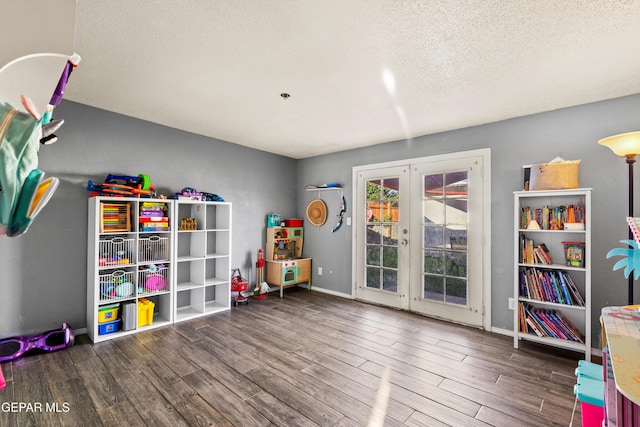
{"x": 285, "y": 265}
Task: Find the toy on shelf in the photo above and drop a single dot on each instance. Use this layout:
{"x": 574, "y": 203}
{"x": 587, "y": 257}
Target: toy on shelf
{"x": 123, "y": 186}
{"x": 153, "y": 217}
{"x": 188, "y": 224}
{"x": 188, "y": 193}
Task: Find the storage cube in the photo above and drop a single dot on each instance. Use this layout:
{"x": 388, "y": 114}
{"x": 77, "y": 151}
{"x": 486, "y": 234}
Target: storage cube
{"x": 108, "y": 328}
{"x": 108, "y": 313}
{"x": 145, "y": 312}
{"x": 590, "y": 392}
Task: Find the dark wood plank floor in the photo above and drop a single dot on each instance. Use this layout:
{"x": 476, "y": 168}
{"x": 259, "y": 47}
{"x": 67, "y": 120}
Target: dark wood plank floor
{"x": 304, "y": 360}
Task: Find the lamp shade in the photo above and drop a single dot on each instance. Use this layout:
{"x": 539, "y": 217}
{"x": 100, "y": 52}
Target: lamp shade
{"x": 624, "y": 144}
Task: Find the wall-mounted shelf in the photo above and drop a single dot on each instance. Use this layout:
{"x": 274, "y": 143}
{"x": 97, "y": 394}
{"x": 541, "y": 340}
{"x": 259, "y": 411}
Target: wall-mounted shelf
{"x": 328, "y": 187}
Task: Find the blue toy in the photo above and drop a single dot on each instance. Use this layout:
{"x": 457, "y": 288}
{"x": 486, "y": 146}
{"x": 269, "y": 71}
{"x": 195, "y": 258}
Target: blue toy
{"x": 631, "y": 260}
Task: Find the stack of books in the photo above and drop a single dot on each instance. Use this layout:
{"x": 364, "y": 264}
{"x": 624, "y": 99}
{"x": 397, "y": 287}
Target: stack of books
{"x": 549, "y": 286}
{"x": 153, "y": 217}
{"x": 548, "y": 323}
{"x": 548, "y": 217}
{"x": 534, "y": 254}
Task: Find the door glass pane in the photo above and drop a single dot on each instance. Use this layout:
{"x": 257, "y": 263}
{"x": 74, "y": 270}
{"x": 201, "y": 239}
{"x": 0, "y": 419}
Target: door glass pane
{"x": 433, "y": 287}
{"x": 456, "y": 291}
{"x": 390, "y": 280}
{"x": 390, "y": 257}
{"x": 373, "y": 255}
{"x": 456, "y": 238}
{"x": 373, "y": 278}
{"x": 456, "y": 264}
{"x": 433, "y": 236}
{"x": 444, "y": 210}
{"x": 382, "y": 215}
{"x": 434, "y": 261}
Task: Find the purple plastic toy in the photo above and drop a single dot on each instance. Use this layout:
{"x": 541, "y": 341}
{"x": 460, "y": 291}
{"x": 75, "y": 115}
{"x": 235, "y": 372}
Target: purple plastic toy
{"x": 58, "y": 339}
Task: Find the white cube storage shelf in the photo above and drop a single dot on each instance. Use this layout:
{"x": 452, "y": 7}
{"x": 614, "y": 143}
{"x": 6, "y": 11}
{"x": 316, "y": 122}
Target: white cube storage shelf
{"x": 202, "y": 257}
{"x": 184, "y": 273}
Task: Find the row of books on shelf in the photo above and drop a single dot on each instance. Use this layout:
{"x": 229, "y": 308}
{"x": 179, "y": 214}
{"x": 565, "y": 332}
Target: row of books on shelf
{"x": 547, "y": 323}
{"x": 555, "y": 286}
{"x": 530, "y": 253}
{"x": 552, "y": 218}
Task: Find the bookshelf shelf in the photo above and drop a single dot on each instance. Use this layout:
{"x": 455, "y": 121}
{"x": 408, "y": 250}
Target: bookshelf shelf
{"x": 553, "y": 299}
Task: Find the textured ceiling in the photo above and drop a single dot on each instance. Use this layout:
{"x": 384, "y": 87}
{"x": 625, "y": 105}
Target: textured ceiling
{"x": 358, "y": 72}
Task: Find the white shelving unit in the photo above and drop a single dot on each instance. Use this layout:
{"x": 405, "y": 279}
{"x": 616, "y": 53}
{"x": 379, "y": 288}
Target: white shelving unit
{"x": 579, "y": 316}
{"x": 128, "y": 262}
{"x": 202, "y": 257}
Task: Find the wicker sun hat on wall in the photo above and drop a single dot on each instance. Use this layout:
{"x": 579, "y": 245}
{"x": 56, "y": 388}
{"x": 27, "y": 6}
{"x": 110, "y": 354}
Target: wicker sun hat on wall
{"x": 317, "y": 212}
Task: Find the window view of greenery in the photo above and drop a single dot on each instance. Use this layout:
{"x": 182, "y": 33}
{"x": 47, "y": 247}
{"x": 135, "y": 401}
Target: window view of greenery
{"x": 382, "y": 234}
{"x": 445, "y": 236}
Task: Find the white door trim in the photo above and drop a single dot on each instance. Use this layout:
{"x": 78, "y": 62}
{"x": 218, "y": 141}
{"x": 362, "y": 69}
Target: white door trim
{"x": 486, "y": 206}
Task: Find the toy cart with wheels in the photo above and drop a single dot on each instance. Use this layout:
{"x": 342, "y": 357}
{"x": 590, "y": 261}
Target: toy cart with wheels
{"x": 238, "y": 285}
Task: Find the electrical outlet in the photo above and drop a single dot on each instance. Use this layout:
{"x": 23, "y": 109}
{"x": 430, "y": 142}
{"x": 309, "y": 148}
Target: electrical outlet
{"x": 319, "y": 271}
{"x": 511, "y": 304}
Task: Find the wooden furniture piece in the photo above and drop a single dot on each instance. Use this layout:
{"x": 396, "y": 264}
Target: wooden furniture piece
{"x": 621, "y": 335}
{"x": 285, "y": 265}
{"x": 530, "y": 272}
{"x": 202, "y": 258}
{"x": 289, "y": 273}
{"x": 129, "y": 265}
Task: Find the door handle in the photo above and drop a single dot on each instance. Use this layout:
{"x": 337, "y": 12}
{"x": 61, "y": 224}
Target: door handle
{"x": 404, "y": 242}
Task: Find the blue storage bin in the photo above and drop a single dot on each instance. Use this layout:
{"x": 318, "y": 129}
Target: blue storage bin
{"x": 108, "y": 328}
{"x": 589, "y": 370}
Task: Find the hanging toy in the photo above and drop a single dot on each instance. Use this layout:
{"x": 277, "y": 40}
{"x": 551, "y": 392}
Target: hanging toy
{"x": 343, "y": 209}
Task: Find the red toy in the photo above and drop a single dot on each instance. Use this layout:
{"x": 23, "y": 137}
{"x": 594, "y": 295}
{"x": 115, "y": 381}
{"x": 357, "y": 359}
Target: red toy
{"x": 238, "y": 284}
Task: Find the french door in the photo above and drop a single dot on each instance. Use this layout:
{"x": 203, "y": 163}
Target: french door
{"x": 419, "y": 236}
{"x": 383, "y": 245}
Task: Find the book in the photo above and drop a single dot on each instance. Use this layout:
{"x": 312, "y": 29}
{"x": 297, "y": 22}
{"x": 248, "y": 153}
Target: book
{"x": 565, "y": 290}
{"x": 534, "y": 327}
{"x": 540, "y": 258}
{"x": 570, "y": 327}
{"x": 544, "y": 328}
{"x": 574, "y": 290}
{"x": 555, "y": 332}
{"x": 545, "y": 252}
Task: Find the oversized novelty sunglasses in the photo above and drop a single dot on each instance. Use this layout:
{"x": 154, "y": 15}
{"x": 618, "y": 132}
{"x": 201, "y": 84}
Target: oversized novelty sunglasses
{"x": 15, "y": 347}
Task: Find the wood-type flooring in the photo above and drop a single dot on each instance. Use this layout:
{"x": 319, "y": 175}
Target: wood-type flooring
{"x": 303, "y": 360}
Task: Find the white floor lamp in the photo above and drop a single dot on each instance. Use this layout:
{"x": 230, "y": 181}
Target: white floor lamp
{"x": 626, "y": 145}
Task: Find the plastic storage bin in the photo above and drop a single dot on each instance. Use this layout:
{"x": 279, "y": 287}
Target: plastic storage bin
{"x": 108, "y": 313}
{"x": 589, "y": 370}
{"x": 293, "y": 222}
{"x": 273, "y": 220}
{"x": 145, "y": 312}
{"x": 108, "y": 328}
{"x": 590, "y": 392}
{"x": 574, "y": 254}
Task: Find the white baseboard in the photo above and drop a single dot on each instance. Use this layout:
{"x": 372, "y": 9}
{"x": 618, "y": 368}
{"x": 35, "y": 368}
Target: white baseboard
{"x": 79, "y": 331}
{"x": 328, "y": 291}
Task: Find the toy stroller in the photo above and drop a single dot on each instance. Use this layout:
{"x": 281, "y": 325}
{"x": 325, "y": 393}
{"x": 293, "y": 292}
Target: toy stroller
{"x": 238, "y": 284}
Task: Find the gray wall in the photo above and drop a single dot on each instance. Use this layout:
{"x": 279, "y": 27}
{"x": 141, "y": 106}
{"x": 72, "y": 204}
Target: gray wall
{"x": 571, "y": 133}
{"x": 43, "y": 273}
